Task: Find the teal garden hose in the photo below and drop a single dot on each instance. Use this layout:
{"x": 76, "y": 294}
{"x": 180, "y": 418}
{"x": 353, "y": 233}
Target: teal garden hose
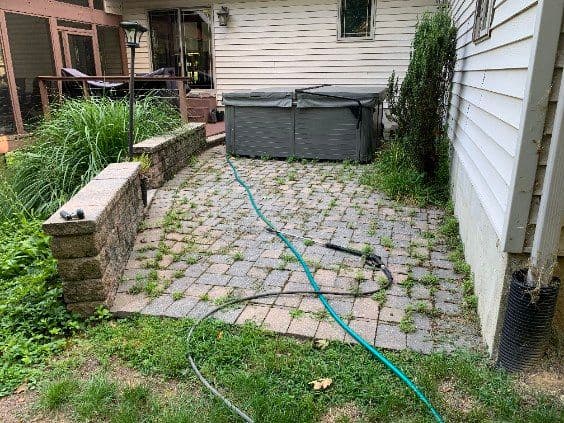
{"x": 321, "y": 295}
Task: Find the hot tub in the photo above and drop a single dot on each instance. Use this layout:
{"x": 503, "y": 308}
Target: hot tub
{"x": 326, "y": 122}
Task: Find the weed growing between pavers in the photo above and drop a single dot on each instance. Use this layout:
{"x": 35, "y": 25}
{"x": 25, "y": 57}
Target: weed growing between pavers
{"x": 140, "y": 373}
{"x": 353, "y": 206}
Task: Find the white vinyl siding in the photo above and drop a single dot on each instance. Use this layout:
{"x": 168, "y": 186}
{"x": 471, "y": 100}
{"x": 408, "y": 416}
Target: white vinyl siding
{"x": 487, "y": 98}
{"x": 294, "y": 42}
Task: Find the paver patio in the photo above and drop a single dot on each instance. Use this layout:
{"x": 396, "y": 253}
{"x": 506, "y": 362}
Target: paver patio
{"x": 202, "y": 244}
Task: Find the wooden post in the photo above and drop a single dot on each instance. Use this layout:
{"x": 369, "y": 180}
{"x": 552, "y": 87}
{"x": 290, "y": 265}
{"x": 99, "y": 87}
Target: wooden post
{"x": 551, "y": 209}
{"x": 44, "y": 98}
{"x": 85, "y": 90}
{"x": 182, "y": 100}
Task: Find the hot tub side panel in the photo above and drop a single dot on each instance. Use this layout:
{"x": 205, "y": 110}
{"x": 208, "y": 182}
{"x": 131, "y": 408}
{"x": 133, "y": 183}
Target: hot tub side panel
{"x": 260, "y": 131}
{"x": 326, "y": 134}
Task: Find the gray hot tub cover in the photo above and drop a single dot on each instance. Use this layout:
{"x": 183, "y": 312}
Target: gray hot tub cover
{"x": 266, "y": 97}
{"x": 339, "y": 96}
{"x": 326, "y": 96}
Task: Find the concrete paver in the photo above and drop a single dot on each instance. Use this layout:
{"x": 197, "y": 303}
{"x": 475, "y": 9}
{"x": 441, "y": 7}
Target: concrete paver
{"x": 216, "y": 248}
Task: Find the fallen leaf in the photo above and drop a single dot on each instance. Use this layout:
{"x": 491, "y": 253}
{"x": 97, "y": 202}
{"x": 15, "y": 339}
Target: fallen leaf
{"x": 219, "y": 335}
{"x": 321, "y": 344}
{"x": 321, "y": 384}
{"x": 21, "y": 388}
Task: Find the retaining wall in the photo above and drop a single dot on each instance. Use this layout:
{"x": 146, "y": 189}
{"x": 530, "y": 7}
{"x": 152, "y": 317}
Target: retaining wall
{"x": 171, "y": 152}
{"x": 91, "y": 253}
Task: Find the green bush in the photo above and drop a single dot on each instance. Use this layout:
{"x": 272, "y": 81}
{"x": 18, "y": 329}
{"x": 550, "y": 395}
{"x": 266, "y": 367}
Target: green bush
{"x": 420, "y": 104}
{"x": 73, "y": 146}
{"x": 33, "y": 319}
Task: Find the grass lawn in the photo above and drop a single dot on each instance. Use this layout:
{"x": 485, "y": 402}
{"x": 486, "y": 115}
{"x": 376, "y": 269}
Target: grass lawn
{"x": 135, "y": 370}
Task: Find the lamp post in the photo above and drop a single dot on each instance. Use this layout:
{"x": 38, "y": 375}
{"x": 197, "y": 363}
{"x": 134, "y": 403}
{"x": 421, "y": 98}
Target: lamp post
{"x": 133, "y": 33}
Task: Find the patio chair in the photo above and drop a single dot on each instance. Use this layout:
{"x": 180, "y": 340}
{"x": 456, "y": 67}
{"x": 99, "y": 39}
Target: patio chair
{"x": 96, "y": 87}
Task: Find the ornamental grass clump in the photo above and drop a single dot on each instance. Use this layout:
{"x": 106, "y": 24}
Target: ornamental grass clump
{"x": 74, "y": 145}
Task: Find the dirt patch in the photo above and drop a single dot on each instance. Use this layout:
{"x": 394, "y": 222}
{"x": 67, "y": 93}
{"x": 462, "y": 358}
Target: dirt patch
{"x": 547, "y": 379}
{"x": 455, "y": 399}
{"x": 348, "y": 411}
{"x": 15, "y": 408}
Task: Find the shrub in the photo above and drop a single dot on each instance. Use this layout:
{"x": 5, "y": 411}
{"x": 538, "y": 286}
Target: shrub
{"x": 33, "y": 319}
{"x": 420, "y": 104}
{"x": 74, "y": 145}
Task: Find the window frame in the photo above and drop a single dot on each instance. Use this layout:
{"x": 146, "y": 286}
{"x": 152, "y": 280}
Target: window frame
{"x": 478, "y": 34}
{"x": 369, "y": 37}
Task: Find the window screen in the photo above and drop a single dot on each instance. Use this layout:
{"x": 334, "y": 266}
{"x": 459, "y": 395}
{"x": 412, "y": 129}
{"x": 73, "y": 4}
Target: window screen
{"x": 32, "y": 55}
{"x": 110, "y": 50}
{"x": 356, "y": 19}
{"x": 6, "y": 116}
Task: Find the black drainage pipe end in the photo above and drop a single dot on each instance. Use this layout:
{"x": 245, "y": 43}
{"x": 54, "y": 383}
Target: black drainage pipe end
{"x": 527, "y": 323}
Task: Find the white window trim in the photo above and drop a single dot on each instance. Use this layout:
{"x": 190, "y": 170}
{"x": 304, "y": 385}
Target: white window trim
{"x": 478, "y": 34}
{"x": 369, "y": 37}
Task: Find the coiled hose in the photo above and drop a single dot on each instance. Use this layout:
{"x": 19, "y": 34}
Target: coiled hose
{"x": 321, "y": 295}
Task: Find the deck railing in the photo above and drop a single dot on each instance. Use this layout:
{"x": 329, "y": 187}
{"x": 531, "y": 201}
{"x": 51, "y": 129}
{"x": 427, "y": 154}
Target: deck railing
{"x": 181, "y": 83}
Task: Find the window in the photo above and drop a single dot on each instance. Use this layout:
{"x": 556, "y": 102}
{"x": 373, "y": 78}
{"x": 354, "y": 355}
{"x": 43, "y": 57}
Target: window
{"x": 32, "y": 55}
{"x": 181, "y": 39}
{"x": 355, "y": 19}
{"x": 7, "y": 125}
{"x": 483, "y": 19}
{"x": 110, "y": 52}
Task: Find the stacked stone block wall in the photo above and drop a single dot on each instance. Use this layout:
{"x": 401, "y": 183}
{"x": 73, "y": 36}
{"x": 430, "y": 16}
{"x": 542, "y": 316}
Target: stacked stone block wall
{"x": 92, "y": 252}
{"x": 170, "y": 153}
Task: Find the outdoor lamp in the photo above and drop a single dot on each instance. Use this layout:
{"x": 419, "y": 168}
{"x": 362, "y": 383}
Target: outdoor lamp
{"x": 223, "y": 15}
{"x": 133, "y": 33}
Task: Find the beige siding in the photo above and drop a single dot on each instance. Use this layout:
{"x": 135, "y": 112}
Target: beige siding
{"x": 294, "y": 42}
{"x": 487, "y": 98}
{"x": 543, "y": 155}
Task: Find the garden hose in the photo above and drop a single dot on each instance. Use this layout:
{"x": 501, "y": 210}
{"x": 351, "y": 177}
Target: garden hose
{"x": 195, "y": 368}
{"x": 328, "y": 307}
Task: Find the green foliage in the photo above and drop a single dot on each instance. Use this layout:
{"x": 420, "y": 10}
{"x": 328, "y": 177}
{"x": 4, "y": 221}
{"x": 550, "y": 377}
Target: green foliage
{"x": 33, "y": 319}
{"x": 450, "y": 232}
{"x": 396, "y": 174}
{"x": 420, "y": 105}
{"x": 73, "y": 146}
{"x": 267, "y": 376}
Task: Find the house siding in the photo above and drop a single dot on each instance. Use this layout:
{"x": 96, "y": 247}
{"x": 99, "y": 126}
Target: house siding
{"x": 487, "y": 98}
{"x": 294, "y": 42}
{"x": 484, "y": 118}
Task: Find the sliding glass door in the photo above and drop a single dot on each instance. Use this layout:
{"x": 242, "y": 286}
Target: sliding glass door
{"x": 181, "y": 39}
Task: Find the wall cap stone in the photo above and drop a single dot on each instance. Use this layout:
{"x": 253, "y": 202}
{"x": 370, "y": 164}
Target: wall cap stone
{"x": 94, "y": 198}
{"x": 154, "y": 144}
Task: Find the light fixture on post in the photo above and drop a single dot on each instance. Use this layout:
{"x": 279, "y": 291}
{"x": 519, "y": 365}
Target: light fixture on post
{"x": 133, "y": 33}
{"x": 223, "y": 15}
